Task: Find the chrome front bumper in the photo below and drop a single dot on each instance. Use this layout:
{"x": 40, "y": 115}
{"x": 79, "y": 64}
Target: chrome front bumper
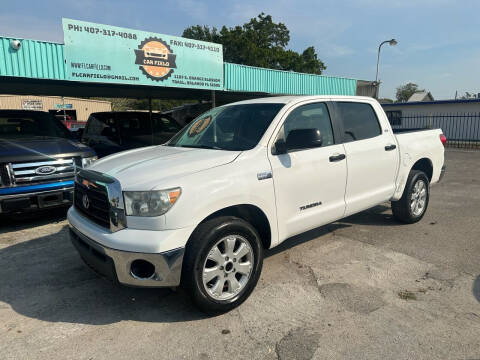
{"x": 116, "y": 264}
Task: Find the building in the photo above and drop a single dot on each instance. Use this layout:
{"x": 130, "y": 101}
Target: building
{"x": 458, "y": 119}
{"x": 421, "y": 96}
{"x": 429, "y": 108}
{"x": 75, "y": 108}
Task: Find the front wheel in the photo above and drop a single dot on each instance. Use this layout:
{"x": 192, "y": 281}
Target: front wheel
{"x": 414, "y": 201}
{"x": 222, "y": 264}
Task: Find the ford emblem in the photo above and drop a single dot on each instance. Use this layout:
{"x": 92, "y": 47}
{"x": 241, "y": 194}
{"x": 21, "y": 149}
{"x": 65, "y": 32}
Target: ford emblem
{"x": 45, "y": 170}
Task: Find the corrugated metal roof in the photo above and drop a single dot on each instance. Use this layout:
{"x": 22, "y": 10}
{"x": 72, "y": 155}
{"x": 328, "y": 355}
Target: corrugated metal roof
{"x": 45, "y": 60}
{"x": 254, "y": 79}
{"x": 34, "y": 59}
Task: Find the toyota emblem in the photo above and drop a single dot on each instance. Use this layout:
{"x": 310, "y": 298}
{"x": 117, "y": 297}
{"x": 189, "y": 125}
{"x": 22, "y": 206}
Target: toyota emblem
{"x": 85, "y": 201}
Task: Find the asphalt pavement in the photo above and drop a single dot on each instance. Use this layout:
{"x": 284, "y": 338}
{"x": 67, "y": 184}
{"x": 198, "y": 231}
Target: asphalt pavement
{"x": 366, "y": 287}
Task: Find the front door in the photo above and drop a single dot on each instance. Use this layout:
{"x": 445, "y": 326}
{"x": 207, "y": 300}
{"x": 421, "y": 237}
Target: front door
{"x": 309, "y": 182}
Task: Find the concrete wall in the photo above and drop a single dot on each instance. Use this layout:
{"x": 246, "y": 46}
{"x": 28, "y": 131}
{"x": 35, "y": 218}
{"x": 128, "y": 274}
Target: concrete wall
{"x": 83, "y": 107}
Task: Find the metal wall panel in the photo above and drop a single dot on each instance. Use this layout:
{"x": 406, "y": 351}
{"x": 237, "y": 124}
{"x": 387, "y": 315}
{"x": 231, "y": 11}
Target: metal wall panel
{"x": 83, "y": 107}
{"x": 44, "y": 60}
{"x": 34, "y": 59}
{"x": 253, "y": 79}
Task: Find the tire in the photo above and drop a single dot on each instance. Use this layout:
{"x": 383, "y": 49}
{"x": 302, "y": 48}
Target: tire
{"x": 206, "y": 256}
{"x": 405, "y": 209}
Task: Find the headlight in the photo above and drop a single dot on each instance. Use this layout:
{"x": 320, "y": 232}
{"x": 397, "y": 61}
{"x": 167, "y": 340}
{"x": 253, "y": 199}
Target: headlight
{"x": 88, "y": 161}
{"x": 150, "y": 203}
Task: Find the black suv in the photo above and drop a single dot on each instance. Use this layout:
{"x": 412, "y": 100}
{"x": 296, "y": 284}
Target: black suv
{"x": 111, "y": 132}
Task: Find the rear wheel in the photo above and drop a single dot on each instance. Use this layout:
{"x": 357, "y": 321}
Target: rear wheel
{"x": 414, "y": 201}
{"x": 222, "y": 264}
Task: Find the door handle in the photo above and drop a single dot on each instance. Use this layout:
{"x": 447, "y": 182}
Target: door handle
{"x": 390, "y": 147}
{"x": 337, "y": 157}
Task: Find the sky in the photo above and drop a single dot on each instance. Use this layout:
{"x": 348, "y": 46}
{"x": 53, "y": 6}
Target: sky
{"x": 438, "y": 40}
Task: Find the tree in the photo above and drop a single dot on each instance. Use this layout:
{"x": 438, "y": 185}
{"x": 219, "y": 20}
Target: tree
{"x": 260, "y": 42}
{"x": 405, "y": 91}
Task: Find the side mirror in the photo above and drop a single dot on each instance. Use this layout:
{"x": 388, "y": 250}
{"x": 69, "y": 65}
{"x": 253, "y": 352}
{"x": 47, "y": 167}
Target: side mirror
{"x": 298, "y": 139}
{"x": 280, "y": 147}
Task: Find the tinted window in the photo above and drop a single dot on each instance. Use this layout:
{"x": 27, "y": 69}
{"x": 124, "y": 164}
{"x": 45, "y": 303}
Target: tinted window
{"x": 359, "y": 121}
{"x": 311, "y": 116}
{"x": 135, "y": 128}
{"x": 234, "y": 127}
{"x": 162, "y": 124}
{"x": 31, "y": 125}
{"x": 103, "y": 124}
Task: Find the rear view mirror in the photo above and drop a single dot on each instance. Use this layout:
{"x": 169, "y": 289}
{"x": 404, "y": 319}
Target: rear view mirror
{"x": 298, "y": 139}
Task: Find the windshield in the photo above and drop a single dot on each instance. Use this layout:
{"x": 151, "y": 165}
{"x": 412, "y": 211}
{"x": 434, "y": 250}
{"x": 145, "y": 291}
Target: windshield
{"x": 234, "y": 127}
{"x": 23, "y": 125}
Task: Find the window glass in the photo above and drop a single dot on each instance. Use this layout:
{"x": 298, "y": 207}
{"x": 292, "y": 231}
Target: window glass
{"x": 359, "y": 121}
{"x": 231, "y": 127}
{"x": 135, "y": 128}
{"x": 311, "y": 116}
{"x": 32, "y": 124}
{"x": 164, "y": 124}
{"x": 103, "y": 125}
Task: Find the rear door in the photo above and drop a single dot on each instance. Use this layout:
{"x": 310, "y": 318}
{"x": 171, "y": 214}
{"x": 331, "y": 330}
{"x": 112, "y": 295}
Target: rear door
{"x": 310, "y": 182}
{"x": 372, "y": 157}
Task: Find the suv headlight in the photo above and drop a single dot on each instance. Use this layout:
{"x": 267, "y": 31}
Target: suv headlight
{"x": 87, "y": 161}
{"x": 150, "y": 203}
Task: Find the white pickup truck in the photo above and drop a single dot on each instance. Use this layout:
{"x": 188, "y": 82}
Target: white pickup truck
{"x": 200, "y": 210}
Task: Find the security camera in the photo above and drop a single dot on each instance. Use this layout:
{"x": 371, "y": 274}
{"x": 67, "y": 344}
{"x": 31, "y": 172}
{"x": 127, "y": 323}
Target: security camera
{"x": 16, "y": 44}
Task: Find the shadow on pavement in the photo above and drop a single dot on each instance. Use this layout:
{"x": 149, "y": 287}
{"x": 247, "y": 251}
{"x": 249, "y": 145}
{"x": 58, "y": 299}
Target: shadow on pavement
{"x": 45, "y": 278}
{"x": 27, "y": 220}
{"x": 374, "y": 216}
{"x": 476, "y": 288}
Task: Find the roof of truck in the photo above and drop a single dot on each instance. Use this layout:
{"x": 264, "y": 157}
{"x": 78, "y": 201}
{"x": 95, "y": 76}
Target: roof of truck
{"x": 296, "y": 98}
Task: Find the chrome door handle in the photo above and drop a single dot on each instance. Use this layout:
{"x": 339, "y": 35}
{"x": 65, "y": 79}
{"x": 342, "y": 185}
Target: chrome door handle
{"x": 337, "y": 157}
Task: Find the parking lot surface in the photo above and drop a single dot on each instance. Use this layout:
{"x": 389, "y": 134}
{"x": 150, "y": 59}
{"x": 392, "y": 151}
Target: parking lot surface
{"x": 366, "y": 287}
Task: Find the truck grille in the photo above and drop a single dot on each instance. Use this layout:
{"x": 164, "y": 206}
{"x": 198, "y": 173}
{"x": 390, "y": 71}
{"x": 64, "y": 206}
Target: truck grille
{"x": 92, "y": 201}
{"x": 5, "y": 179}
{"x": 28, "y": 173}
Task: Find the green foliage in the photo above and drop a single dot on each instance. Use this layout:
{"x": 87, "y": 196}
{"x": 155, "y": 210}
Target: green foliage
{"x": 260, "y": 42}
{"x": 405, "y": 91}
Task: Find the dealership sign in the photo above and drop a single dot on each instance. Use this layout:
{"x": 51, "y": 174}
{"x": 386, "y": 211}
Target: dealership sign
{"x": 109, "y": 54}
{"x": 32, "y": 105}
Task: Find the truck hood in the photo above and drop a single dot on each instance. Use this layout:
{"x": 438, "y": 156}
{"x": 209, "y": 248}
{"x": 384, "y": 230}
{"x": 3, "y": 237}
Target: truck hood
{"x": 146, "y": 168}
{"x": 13, "y": 150}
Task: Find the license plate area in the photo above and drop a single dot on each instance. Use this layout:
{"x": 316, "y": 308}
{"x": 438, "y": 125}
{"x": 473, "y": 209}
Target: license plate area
{"x": 51, "y": 199}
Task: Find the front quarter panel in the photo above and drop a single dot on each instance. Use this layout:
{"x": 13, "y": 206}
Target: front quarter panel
{"x": 236, "y": 183}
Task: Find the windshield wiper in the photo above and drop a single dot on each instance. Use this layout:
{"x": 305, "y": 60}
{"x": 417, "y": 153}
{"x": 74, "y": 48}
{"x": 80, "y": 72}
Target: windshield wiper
{"x": 200, "y": 147}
